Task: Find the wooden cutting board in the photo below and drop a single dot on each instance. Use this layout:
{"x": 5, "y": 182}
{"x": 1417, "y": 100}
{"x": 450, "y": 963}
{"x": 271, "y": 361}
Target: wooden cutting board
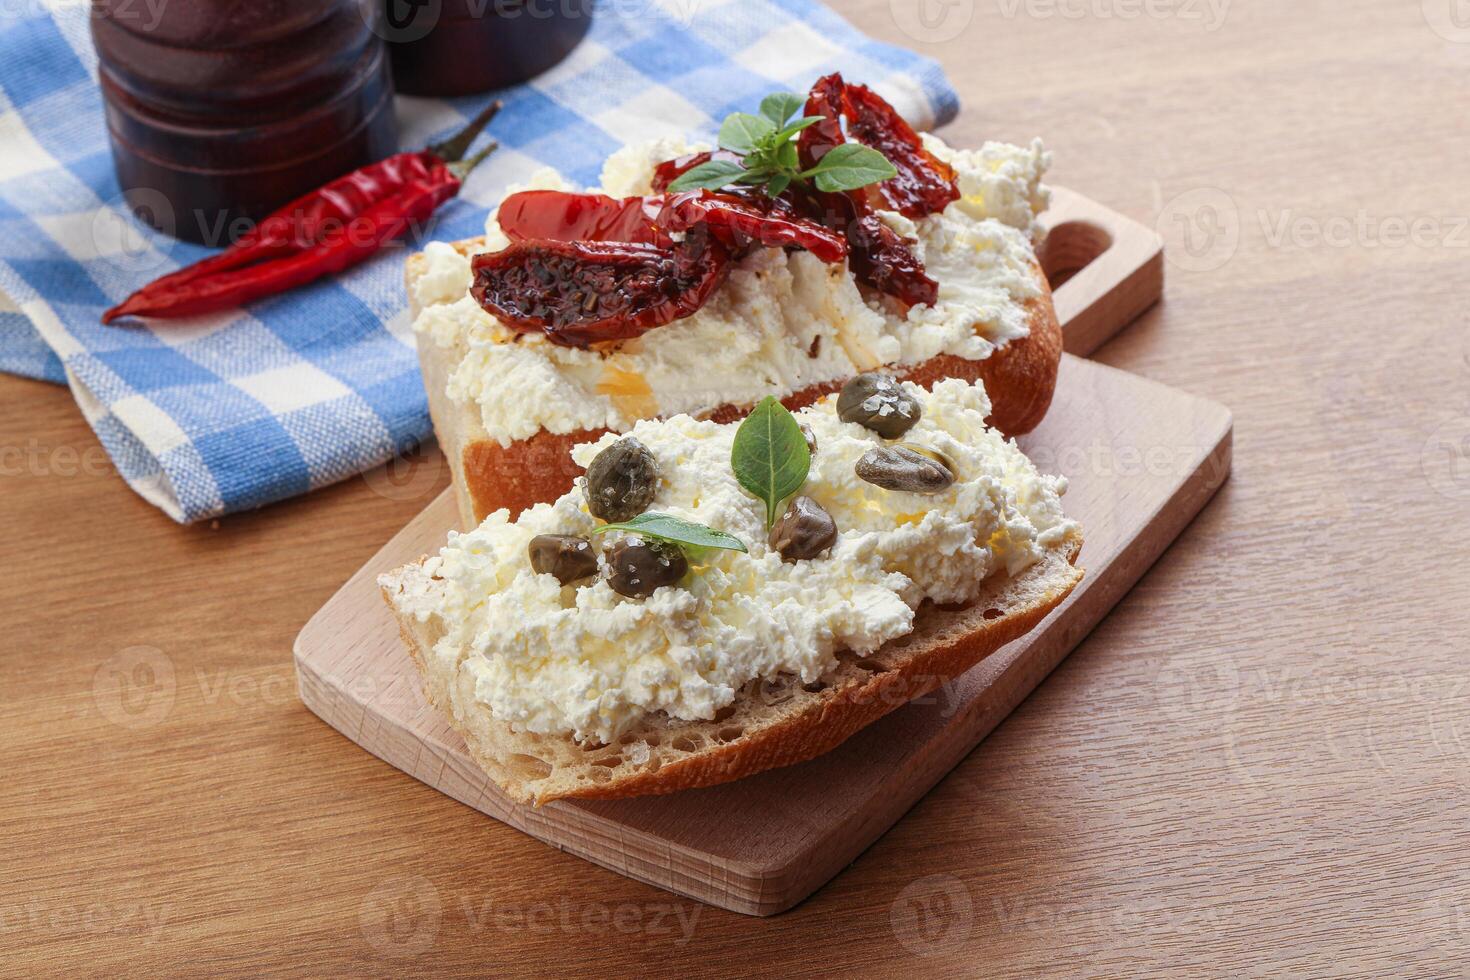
{"x": 1142, "y": 460}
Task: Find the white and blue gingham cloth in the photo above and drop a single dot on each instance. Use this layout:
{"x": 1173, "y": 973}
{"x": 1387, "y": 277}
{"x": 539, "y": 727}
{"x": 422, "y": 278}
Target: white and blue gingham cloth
{"x": 225, "y": 412}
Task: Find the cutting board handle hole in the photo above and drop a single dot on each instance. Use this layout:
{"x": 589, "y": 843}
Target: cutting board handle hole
{"x": 1071, "y": 247}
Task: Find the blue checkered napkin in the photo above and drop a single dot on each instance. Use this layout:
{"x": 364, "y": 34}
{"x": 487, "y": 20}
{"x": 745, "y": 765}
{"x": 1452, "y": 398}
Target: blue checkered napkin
{"x": 231, "y": 411}
{"x": 22, "y": 351}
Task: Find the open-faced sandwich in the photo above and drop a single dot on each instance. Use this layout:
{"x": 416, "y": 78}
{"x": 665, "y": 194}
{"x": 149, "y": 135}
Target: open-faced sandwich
{"x": 715, "y": 599}
{"x": 823, "y": 238}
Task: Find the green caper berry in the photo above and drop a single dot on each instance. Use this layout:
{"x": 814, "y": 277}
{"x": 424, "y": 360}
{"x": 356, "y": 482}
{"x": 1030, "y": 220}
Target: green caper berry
{"x": 878, "y": 403}
{"x": 566, "y": 556}
{"x": 621, "y": 481}
{"x": 804, "y": 531}
{"x": 637, "y": 567}
{"x": 905, "y": 468}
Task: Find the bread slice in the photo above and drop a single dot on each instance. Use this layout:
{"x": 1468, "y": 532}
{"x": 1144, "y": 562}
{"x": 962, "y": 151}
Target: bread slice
{"x": 1019, "y": 377}
{"x": 770, "y": 724}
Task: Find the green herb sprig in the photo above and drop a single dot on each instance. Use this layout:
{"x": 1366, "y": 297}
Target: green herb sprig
{"x": 676, "y": 530}
{"x": 770, "y": 455}
{"x": 767, "y": 147}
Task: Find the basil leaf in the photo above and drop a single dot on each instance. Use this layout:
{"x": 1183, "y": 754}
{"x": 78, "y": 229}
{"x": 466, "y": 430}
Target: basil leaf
{"x": 769, "y": 456}
{"x": 778, "y": 184}
{"x": 676, "y": 530}
{"x": 785, "y": 135}
{"x": 786, "y": 156}
{"x": 850, "y": 166}
{"x": 710, "y": 175}
{"x": 781, "y": 106}
{"x": 743, "y": 132}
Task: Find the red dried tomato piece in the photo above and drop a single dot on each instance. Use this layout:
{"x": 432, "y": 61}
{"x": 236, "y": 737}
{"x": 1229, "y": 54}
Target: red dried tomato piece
{"x": 671, "y": 170}
{"x": 878, "y": 256}
{"x": 580, "y": 293}
{"x": 882, "y": 258}
{"x": 925, "y": 184}
{"x": 739, "y": 221}
{"x": 825, "y": 100}
{"x": 562, "y": 217}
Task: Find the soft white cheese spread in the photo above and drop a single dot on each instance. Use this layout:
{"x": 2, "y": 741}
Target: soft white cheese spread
{"x": 583, "y": 660}
{"x": 781, "y": 322}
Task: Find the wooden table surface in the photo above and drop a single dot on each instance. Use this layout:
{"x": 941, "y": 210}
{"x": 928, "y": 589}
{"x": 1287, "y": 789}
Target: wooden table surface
{"x": 1258, "y": 764}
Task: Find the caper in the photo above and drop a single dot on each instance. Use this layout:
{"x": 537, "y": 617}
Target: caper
{"x": 566, "y": 556}
{"x": 877, "y": 402}
{"x": 933, "y": 454}
{"x": 810, "y": 437}
{"x": 621, "y": 481}
{"x": 904, "y": 467}
{"x": 804, "y": 531}
{"x": 637, "y": 566}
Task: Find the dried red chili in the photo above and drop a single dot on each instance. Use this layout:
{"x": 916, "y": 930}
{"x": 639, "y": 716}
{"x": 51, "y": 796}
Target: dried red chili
{"x": 580, "y": 293}
{"x": 318, "y": 234}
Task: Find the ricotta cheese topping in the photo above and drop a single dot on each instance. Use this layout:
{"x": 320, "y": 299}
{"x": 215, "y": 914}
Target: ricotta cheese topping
{"x": 583, "y": 660}
{"x": 781, "y": 322}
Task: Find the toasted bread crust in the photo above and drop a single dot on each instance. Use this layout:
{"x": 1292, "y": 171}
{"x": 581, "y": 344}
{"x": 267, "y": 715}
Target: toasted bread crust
{"x": 1019, "y": 377}
{"x": 944, "y": 644}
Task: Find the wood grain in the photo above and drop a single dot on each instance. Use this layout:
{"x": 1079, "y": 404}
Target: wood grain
{"x": 1105, "y": 269}
{"x": 763, "y": 844}
{"x": 1256, "y": 765}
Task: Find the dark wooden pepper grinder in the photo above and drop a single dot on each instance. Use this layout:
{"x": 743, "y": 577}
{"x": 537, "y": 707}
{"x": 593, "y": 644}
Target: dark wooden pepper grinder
{"x": 461, "y": 47}
{"x": 221, "y": 111}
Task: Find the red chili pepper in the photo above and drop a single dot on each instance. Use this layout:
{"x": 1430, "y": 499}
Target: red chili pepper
{"x": 319, "y": 234}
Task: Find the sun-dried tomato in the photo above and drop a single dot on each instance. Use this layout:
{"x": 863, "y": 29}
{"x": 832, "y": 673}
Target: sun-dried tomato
{"x": 580, "y": 293}
{"x": 671, "y": 170}
{"x": 878, "y": 256}
{"x": 882, "y": 258}
{"x": 925, "y": 184}
{"x": 584, "y": 268}
{"x": 825, "y": 100}
{"x": 559, "y": 216}
{"x": 740, "y": 221}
